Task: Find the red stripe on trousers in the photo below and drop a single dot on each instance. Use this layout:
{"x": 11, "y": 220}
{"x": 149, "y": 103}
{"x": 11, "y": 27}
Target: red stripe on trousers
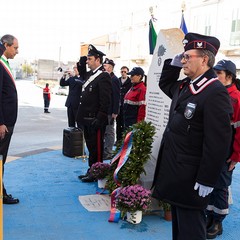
{"x": 99, "y": 148}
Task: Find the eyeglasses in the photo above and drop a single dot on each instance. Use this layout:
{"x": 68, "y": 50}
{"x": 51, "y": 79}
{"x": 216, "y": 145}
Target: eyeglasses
{"x": 186, "y": 57}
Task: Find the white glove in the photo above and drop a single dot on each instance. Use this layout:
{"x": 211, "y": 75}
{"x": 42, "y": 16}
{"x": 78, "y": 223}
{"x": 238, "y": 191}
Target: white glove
{"x": 176, "y": 61}
{"x": 203, "y": 190}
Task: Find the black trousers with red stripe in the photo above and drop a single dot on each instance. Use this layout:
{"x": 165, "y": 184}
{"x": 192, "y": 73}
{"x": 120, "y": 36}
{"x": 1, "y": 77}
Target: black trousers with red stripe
{"x": 95, "y": 143}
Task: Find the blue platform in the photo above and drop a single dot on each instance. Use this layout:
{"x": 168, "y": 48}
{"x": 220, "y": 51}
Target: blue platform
{"x": 48, "y": 188}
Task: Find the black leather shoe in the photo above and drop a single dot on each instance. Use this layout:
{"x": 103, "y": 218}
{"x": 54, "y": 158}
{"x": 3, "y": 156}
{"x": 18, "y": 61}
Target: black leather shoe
{"x": 82, "y": 176}
{"x": 8, "y": 199}
{"x": 88, "y": 179}
{"x": 215, "y": 230}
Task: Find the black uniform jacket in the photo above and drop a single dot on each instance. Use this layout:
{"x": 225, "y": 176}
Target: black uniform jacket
{"x": 75, "y": 88}
{"x": 196, "y": 140}
{"x": 95, "y": 99}
{"x": 115, "y": 101}
{"x": 124, "y": 88}
{"x": 8, "y": 98}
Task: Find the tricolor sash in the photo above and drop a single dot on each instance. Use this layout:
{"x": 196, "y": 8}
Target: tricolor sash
{"x": 7, "y": 67}
{"x": 123, "y": 154}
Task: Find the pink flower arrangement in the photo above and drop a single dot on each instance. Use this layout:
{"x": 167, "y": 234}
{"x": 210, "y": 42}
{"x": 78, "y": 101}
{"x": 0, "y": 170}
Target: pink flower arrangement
{"x": 99, "y": 170}
{"x": 133, "y": 198}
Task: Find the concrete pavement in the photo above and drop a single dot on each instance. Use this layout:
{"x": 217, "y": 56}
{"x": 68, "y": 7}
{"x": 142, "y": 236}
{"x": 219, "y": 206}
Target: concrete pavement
{"x": 46, "y": 183}
{"x": 35, "y": 130}
{"x": 48, "y": 188}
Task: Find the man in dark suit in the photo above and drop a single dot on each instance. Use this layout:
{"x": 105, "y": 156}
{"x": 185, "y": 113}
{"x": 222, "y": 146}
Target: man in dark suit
{"x": 113, "y": 111}
{"x": 125, "y": 85}
{"x": 8, "y": 104}
{"x": 197, "y": 138}
{"x": 93, "y": 109}
{"x": 75, "y": 83}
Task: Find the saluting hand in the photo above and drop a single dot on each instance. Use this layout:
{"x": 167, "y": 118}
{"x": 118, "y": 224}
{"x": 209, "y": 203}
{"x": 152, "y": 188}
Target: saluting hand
{"x": 176, "y": 61}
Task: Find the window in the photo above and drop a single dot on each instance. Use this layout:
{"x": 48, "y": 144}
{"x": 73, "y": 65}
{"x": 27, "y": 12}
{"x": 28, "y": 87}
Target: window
{"x": 207, "y": 28}
{"x": 235, "y": 30}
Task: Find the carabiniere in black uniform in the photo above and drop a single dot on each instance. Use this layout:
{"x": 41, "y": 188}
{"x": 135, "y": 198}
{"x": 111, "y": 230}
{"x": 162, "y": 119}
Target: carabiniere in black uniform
{"x": 190, "y": 117}
{"x": 195, "y": 143}
{"x": 92, "y": 113}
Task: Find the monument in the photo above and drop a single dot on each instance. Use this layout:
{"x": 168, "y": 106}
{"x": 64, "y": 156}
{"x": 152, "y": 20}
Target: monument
{"x": 169, "y": 43}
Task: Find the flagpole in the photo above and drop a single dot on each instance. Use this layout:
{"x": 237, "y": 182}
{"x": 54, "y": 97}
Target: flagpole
{"x": 152, "y": 14}
{"x": 183, "y": 24}
{"x": 151, "y": 11}
{"x": 183, "y": 6}
{"x": 152, "y": 33}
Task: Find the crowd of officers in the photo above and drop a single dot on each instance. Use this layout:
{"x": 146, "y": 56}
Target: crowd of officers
{"x": 200, "y": 145}
{"x": 98, "y": 100}
{"x": 199, "y": 126}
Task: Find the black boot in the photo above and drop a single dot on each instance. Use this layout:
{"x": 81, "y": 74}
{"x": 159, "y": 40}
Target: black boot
{"x": 214, "y": 230}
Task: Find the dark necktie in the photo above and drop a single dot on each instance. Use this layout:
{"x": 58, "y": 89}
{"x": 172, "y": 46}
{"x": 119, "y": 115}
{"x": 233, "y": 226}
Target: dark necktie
{"x": 91, "y": 73}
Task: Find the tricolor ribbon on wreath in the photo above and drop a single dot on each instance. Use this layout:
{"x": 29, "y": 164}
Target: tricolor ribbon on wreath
{"x": 122, "y": 155}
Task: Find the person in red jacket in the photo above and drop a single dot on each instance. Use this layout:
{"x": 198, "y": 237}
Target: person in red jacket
{"x": 217, "y": 208}
{"x": 47, "y": 98}
{"x": 134, "y": 108}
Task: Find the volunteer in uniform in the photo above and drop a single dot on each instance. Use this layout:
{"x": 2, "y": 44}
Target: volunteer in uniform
{"x": 218, "y": 207}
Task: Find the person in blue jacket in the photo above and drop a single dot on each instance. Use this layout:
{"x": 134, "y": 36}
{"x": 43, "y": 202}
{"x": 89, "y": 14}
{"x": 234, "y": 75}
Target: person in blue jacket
{"x": 75, "y": 83}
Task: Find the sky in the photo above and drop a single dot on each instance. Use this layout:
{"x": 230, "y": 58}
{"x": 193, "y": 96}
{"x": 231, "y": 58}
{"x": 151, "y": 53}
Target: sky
{"x": 50, "y": 29}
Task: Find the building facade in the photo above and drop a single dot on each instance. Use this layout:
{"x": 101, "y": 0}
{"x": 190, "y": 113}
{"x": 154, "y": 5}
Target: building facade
{"x": 129, "y": 45}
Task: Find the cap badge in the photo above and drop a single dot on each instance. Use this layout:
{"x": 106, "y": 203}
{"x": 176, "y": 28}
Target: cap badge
{"x": 185, "y": 42}
{"x": 199, "y": 44}
{"x": 90, "y": 47}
